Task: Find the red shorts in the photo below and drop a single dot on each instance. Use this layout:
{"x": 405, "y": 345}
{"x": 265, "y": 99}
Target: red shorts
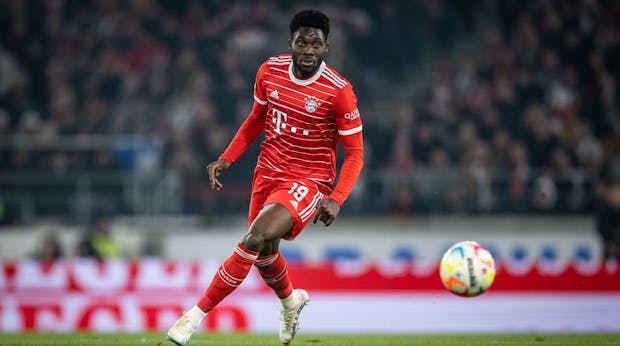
{"x": 299, "y": 196}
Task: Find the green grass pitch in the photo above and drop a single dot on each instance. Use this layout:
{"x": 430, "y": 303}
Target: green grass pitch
{"x": 158, "y": 339}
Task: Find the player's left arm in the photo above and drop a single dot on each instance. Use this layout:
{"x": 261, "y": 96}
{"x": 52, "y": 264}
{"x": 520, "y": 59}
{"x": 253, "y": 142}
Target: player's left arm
{"x": 349, "y": 125}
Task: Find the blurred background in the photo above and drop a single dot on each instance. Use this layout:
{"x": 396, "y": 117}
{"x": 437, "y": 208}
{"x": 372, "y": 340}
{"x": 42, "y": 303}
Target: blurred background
{"x": 469, "y": 108}
{"x": 495, "y": 121}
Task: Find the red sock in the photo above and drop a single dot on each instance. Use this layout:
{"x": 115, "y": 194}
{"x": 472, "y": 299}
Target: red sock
{"x": 229, "y": 276}
{"x": 275, "y": 273}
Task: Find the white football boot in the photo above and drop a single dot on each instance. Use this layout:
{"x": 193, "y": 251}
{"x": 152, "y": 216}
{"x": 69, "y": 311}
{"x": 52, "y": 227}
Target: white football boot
{"x": 290, "y": 317}
{"x": 183, "y": 328}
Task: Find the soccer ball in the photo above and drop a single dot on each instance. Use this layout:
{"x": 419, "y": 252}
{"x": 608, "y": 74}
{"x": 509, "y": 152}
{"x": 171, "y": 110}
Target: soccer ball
{"x": 467, "y": 269}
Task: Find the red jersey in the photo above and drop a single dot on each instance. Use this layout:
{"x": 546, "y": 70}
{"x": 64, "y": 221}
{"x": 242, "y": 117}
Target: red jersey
{"x": 303, "y": 119}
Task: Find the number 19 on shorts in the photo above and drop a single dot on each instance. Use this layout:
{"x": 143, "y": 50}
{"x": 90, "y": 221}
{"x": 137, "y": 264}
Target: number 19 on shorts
{"x": 298, "y": 191}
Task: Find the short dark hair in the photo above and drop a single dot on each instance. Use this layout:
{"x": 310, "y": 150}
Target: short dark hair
{"x": 312, "y": 19}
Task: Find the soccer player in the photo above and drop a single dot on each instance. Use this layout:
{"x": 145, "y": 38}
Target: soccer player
{"x": 305, "y": 108}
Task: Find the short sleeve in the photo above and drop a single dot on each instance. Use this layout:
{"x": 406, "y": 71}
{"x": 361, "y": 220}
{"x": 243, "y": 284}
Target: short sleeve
{"x": 260, "y": 95}
{"x": 346, "y": 112}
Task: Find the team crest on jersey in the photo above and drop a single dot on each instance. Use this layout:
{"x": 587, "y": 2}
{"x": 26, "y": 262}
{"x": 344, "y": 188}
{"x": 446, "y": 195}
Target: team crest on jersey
{"x": 311, "y": 104}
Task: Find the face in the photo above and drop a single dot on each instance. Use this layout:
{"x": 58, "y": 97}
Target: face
{"x": 308, "y": 46}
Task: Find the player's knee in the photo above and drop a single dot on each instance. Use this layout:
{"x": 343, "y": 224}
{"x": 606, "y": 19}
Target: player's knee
{"x": 254, "y": 241}
{"x": 262, "y": 239}
{"x": 270, "y": 248}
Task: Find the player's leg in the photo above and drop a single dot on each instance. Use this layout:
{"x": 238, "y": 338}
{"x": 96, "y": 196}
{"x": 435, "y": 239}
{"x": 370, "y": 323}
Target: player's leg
{"x": 273, "y": 269}
{"x": 229, "y": 276}
{"x": 273, "y": 222}
{"x": 272, "y": 217}
{"x": 237, "y": 266}
{"x": 296, "y": 197}
{"x": 300, "y": 199}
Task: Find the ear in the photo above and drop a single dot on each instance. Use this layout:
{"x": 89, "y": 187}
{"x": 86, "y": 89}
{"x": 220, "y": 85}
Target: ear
{"x": 326, "y": 46}
{"x": 290, "y": 44}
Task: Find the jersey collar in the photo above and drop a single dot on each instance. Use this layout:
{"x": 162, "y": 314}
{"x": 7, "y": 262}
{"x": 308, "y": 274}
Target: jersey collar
{"x": 308, "y": 81}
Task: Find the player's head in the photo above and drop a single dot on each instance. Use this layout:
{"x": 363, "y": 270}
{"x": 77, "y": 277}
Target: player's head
{"x": 311, "y": 19}
{"x": 308, "y": 42}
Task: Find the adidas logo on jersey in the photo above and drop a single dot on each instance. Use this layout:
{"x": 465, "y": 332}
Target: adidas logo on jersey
{"x": 274, "y": 94}
{"x": 295, "y": 204}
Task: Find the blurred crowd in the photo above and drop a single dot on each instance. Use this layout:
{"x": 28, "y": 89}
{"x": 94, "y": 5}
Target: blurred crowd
{"x": 528, "y": 123}
{"x": 179, "y": 73}
{"x": 524, "y": 125}
{"x": 96, "y": 242}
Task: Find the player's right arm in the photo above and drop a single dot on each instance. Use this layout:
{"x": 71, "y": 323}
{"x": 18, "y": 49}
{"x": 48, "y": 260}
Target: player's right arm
{"x": 247, "y": 133}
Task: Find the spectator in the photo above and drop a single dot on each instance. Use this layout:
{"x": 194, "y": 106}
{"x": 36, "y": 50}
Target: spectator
{"x": 49, "y": 250}
{"x": 608, "y": 210}
{"x": 98, "y": 242}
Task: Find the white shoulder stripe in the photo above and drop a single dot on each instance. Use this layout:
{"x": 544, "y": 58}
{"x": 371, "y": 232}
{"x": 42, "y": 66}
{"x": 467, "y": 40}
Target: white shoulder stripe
{"x": 279, "y": 60}
{"x": 333, "y": 81}
{"x": 330, "y": 77}
{"x": 281, "y": 57}
{"x": 350, "y": 131}
{"x": 335, "y": 76}
{"x": 259, "y": 101}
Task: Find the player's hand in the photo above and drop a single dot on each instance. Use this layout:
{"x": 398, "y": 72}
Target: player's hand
{"x": 326, "y": 211}
{"x": 216, "y": 168}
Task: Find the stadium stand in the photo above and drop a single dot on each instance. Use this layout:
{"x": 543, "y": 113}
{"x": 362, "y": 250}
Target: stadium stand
{"x": 118, "y": 105}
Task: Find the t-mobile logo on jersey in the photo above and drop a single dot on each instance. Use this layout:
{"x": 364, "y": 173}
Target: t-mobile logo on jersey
{"x": 279, "y": 119}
